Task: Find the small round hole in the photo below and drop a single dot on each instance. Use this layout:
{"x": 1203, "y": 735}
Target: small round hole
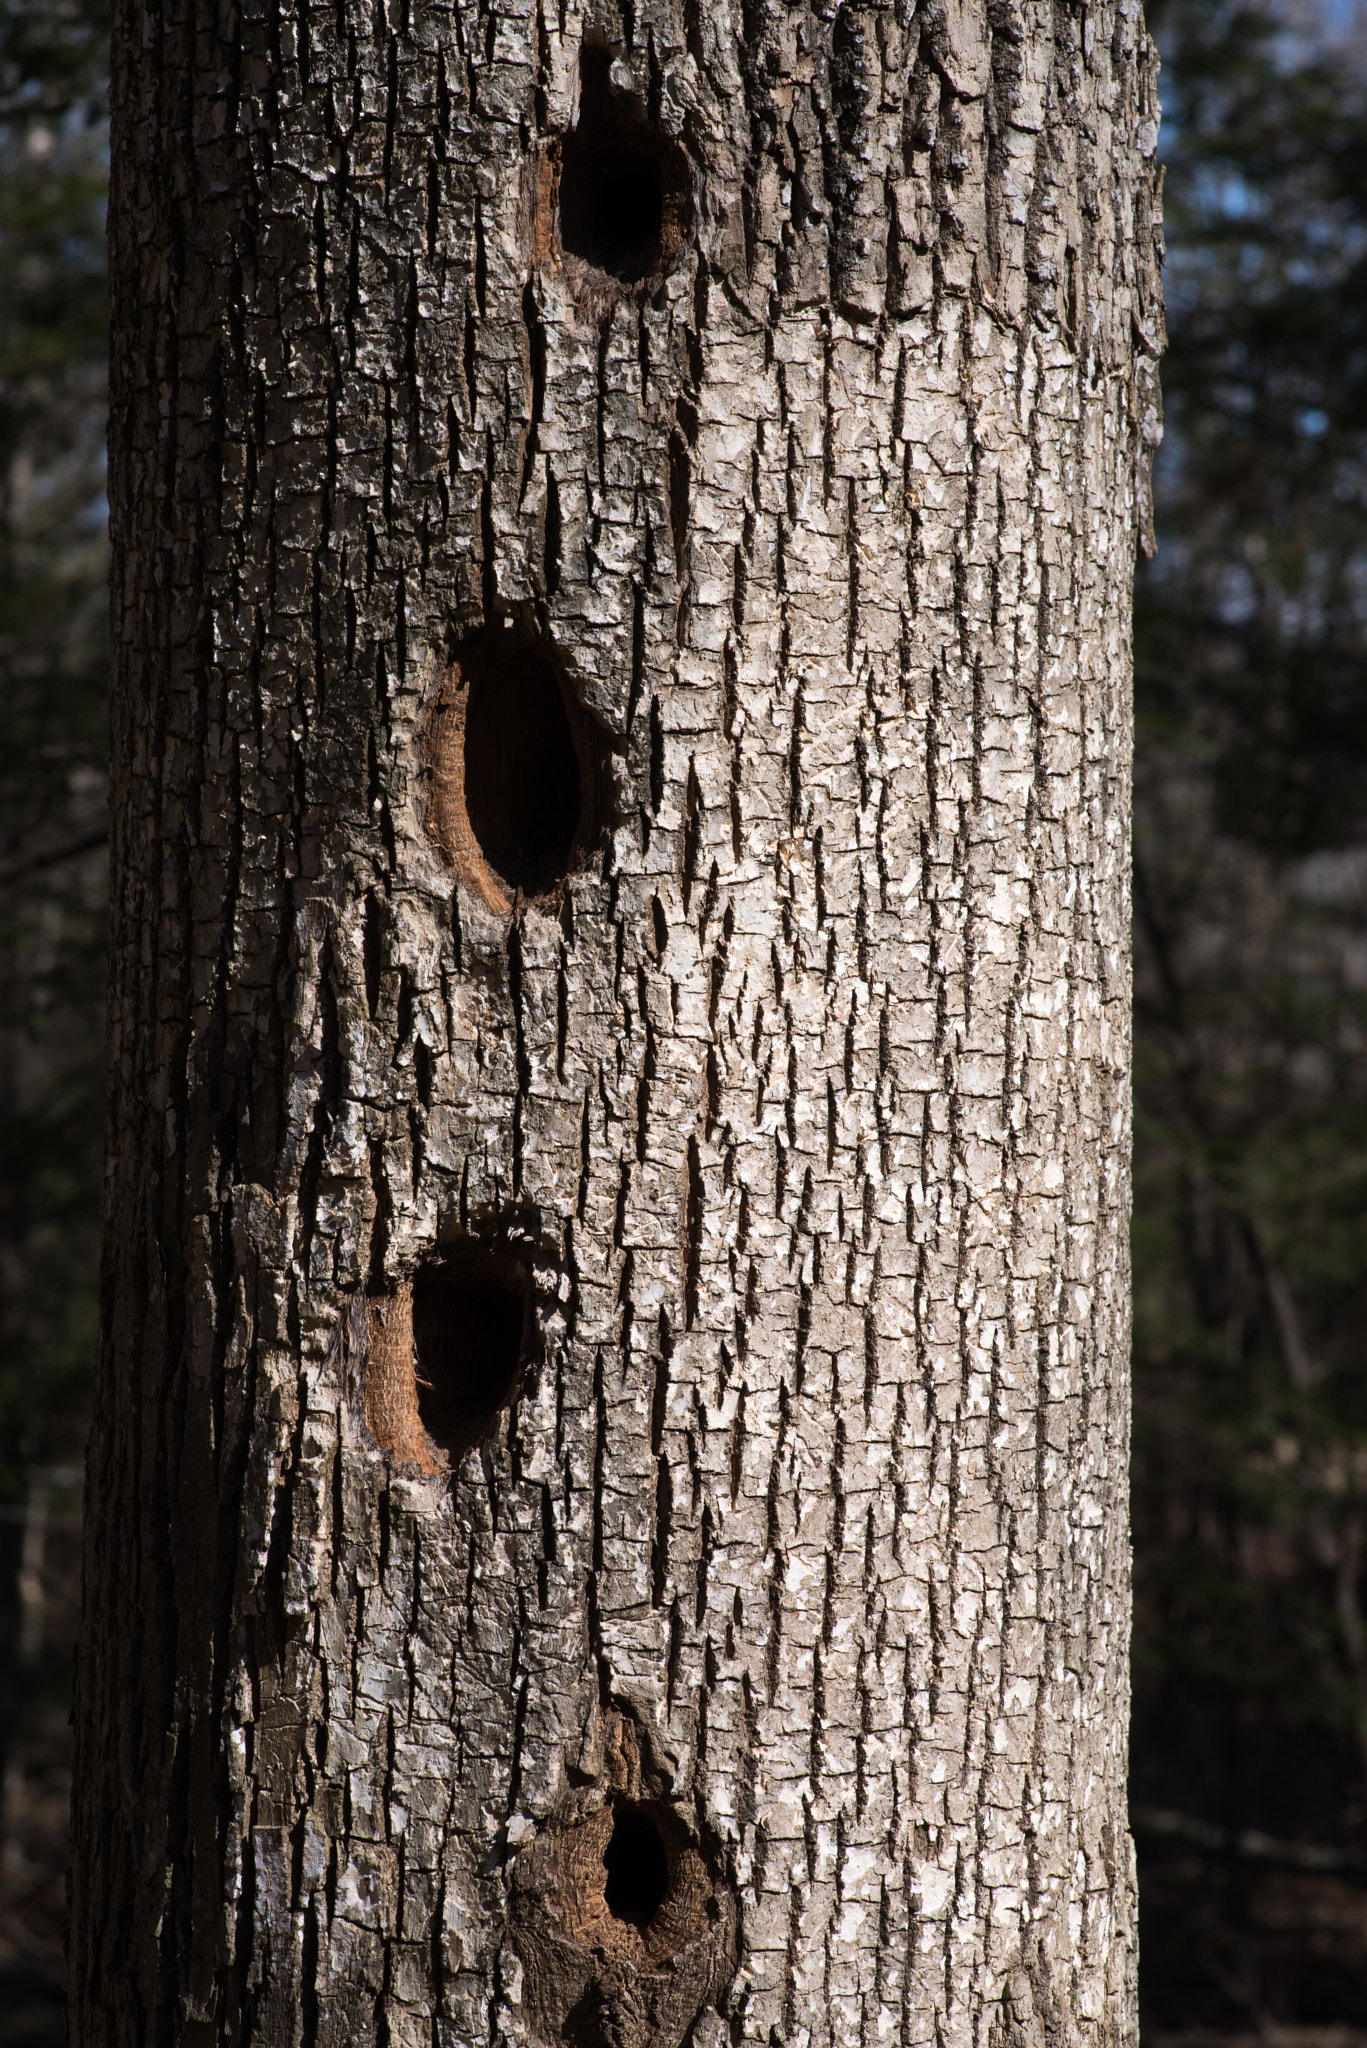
{"x": 622, "y": 185}
{"x": 522, "y": 792}
{"x": 637, "y": 1868}
{"x": 469, "y": 1340}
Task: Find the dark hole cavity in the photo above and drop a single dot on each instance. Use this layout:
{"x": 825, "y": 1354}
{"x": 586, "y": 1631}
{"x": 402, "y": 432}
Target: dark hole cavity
{"x": 469, "y": 1336}
{"x": 522, "y": 792}
{"x": 611, "y": 183}
{"x": 637, "y": 1868}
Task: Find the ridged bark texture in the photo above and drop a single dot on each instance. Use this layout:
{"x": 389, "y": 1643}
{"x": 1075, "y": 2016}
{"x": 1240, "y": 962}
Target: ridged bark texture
{"x": 606, "y": 1510}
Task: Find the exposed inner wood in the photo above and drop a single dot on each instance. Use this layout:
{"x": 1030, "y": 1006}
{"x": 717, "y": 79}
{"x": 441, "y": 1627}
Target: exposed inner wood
{"x": 581, "y": 1872}
{"x": 391, "y": 1393}
{"x": 593, "y": 1959}
{"x": 445, "y": 1356}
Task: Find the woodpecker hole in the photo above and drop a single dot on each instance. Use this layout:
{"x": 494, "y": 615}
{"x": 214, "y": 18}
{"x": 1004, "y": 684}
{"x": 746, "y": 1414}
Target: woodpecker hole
{"x": 637, "y": 1866}
{"x": 470, "y": 1329}
{"x": 623, "y": 198}
{"x": 513, "y": 767}
{"x": 521, "y": 771}
{"x": 446, "y": 1357}
{"x": 625, "y": 1881}
{"x": 624, "y": 1923}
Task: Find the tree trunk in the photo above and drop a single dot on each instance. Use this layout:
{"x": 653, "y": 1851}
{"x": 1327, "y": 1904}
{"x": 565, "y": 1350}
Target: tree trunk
{"x": 606, "y": 1510}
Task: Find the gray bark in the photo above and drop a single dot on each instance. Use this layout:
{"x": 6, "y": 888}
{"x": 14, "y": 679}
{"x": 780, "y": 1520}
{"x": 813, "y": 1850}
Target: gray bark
{"x": 606, "y": 1510}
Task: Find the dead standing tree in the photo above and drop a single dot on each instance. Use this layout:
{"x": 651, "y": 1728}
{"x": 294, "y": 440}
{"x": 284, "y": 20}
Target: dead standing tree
{"x": 607, "y": 1499}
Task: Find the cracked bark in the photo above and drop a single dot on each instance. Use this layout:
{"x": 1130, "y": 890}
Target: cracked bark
{"x": 615, "y": 1296}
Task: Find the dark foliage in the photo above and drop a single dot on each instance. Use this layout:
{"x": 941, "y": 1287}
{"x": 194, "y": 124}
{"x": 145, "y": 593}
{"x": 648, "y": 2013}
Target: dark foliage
{"x": 52, "y": 746}
{"x": 1251, "y": 1025}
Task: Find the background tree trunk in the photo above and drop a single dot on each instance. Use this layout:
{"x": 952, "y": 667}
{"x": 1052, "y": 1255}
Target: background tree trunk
{"x": 606, "y": 1511}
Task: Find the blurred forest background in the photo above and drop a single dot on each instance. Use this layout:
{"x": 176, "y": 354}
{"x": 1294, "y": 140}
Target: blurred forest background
{"x": 1250, "y": 1726}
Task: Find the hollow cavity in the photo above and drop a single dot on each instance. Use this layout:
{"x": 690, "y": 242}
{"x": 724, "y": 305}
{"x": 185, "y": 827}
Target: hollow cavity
{"x": 616, "y": 176}
{"x": 522, "y": 781}
{"x": 470, "y": 1326}
{"x": 637, "y": 1868}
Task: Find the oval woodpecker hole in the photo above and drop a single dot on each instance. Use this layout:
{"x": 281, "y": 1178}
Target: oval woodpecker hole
{"x": 623, "y": 185}
{"x": 471, "y": 1324}
{"x": 521, "y": 769}
{"x": 513, "y": 768}
{"x": 637, "y": 1866}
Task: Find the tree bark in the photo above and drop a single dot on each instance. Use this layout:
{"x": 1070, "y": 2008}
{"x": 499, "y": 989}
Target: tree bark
{"x": 606, "y": 1508}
